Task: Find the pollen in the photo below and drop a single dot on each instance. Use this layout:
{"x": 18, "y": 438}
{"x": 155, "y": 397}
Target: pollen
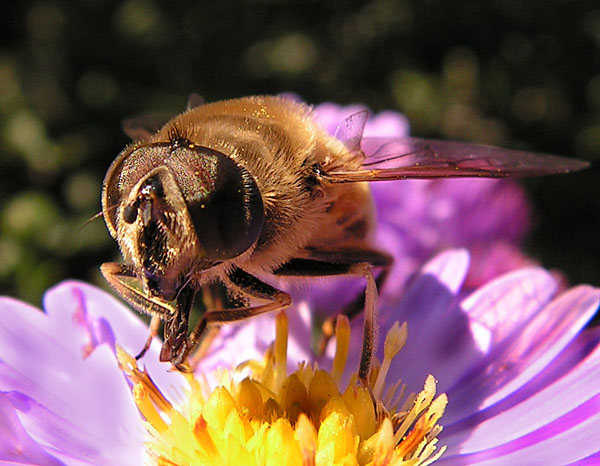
{"x": 304, "y": 418}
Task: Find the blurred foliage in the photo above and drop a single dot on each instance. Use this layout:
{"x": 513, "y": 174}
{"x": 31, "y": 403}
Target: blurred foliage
{"x": 508, "y": 72}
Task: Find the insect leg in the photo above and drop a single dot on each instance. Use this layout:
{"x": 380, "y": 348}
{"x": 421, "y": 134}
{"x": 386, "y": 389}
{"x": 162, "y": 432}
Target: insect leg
{"x": 119, "y": 277}
{"x": 177, "y": 345}
{"x": 358, "y": 261}
{"x": 249, "y": 286}
{"x": 351, "y": 310}
{"x": 154, "y": 326}
{"x": 374, "y": 257}
{"x": 212, "y": 297}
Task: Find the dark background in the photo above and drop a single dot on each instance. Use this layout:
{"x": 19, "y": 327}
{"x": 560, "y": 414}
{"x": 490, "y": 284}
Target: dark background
{"x": 521, "y": 74}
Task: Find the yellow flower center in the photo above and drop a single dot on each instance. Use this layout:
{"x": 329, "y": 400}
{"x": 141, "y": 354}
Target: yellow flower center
{"x": 304, "y": 418}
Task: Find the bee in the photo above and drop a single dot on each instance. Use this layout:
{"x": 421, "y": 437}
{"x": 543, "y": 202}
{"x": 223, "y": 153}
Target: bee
{"x": 233, "y": 191}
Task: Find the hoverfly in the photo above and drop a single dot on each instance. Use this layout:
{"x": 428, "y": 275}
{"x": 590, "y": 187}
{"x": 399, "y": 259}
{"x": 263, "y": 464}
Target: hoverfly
{"x": 240, "y": 189}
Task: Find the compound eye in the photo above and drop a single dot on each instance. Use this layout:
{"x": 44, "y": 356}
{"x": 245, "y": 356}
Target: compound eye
{"x": 223, "y": 201}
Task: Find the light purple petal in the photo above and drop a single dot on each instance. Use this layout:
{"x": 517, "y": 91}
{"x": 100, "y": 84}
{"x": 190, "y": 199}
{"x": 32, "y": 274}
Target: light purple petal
{"x": 93, "y": 315}
{"x": 504, "y": 305}
{"x": 556, "y": 425}
{"x": 547, "y": 335}
{"x": 16, "y": 445}
{"x": 81, "y": 406}
{"x": 524, "y": 354}
{"x": 592, "y": 460}
{"x": 59, "y": 371}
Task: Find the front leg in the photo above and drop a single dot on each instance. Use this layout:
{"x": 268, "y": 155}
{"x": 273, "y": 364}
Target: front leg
{"x": 176, "y": 345}
{"x": 119, "y": 276}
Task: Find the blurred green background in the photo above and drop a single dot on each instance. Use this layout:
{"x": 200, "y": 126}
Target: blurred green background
{"x": 522, "y": 74}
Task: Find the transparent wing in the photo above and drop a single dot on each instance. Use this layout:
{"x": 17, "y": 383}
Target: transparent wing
{"x": 351, "y": 129}
{"x": 144, "y": 126}
{"x": 194, "y": 100}
{"x": 390, "y": 159}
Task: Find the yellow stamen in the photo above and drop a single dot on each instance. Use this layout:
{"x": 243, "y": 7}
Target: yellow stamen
{"x": 306, "y": 434}
{"x": 204, "y": 438}
{"x": 250, "y": 399}
{"x": 294, "y": 397}
{"x": 342, "y": 344}
{"x": 303, "y": 419}
{"x": 359, "y": 402}
{"x": 149, "y": 411}
{"x": 421, "y": 402}
{"x": 394, "y": 341}
{"x": 281, "y": 332}
{"x": 128, "y": 365}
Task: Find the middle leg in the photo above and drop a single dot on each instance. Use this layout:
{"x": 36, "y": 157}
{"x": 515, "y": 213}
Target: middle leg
{"x": 356, "y": 261}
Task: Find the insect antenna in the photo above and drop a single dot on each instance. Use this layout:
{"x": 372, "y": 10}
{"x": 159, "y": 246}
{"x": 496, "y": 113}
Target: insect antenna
{"x": 92, "y": 218}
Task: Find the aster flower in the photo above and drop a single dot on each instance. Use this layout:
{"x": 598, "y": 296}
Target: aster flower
{"x": 513, "y": 360}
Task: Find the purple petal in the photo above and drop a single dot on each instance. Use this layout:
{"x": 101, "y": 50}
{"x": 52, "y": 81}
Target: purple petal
{"x": 16, "y": 445}
{"x": 441, "y": 338}
{"x": 59, "y": 372}
{"x": 425, "y": 302}
{"x": 504, "y": 305}
{"x": 547, "y": 335}
{"x": 449, "y": 268}
{"x": 435, "y": 335}
{"x": 83, "y": 407}
{"x": 557, "y": 425}
{"x": 93, "y": 315}
{"x": 523, "y": 354}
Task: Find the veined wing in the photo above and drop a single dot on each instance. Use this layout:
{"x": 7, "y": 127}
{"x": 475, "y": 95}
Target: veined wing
{"x": 391, "y": 159}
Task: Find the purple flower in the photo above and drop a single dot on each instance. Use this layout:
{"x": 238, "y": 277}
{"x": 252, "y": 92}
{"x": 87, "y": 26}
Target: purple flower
{"x": 518, "y": 368}
{"x": 514, "y": 360}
